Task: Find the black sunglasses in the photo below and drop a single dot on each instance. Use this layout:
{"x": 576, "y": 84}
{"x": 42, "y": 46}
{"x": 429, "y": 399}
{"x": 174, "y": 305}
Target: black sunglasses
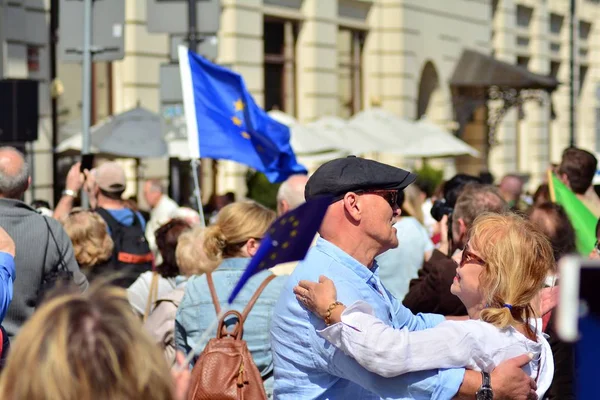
{"x": 389, "y": 195}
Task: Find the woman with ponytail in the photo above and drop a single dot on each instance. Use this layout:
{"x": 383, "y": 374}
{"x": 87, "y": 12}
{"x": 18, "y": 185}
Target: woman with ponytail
{"x": 231, "y": 242}
{"x": 503, "y": 267}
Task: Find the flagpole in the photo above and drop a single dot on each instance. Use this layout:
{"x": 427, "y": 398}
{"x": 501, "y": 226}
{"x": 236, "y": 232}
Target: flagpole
{"x": 195, "y": 162}
{"x": 551, "y": 187}
{"x": 191, "y": 124}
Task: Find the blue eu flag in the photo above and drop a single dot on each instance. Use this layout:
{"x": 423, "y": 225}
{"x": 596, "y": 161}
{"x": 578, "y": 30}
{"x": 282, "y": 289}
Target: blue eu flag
{"x": 224, "y": 122}
{"x": 288, "y": 239}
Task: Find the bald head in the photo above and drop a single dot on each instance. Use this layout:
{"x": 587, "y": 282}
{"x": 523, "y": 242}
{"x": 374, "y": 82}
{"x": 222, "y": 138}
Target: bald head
{"x": 14, "y": 173}
{"x": 511, "y": 187}
{"x": 291, "y": 193}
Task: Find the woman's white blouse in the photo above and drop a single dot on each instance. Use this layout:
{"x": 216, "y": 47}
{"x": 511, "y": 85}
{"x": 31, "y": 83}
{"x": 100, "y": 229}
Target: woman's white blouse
{"x": 473, "y": 344}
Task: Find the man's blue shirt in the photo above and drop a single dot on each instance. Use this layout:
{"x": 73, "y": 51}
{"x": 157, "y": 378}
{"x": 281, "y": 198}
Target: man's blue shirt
{"x": 308, "y": 367}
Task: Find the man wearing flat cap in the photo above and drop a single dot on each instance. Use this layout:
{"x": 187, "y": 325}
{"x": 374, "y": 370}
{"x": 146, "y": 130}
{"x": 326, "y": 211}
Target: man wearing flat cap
{"x": 358, "y": 226}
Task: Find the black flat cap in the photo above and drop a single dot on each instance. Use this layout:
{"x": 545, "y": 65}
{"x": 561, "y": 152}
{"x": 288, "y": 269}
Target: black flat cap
{"x": 350, "y": 174}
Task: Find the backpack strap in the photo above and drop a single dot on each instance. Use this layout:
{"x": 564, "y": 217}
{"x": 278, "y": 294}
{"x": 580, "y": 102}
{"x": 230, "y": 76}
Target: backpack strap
{"x": 217, "y": 304}
{"x": 256, "y": 295}
{"x": 213, "y": 292}
{"x": 112, "y": 223}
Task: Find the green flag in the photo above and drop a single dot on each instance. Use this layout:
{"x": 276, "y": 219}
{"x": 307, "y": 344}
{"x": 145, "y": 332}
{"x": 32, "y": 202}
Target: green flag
{"x": 580, "y": 216}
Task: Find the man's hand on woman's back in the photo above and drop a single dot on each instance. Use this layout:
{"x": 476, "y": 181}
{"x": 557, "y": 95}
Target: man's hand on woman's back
{"x": 509, "y": 381}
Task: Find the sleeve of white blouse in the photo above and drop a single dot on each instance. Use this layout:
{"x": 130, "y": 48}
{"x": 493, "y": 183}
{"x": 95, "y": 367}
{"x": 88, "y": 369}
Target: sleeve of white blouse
{"x": 389, "y": 352}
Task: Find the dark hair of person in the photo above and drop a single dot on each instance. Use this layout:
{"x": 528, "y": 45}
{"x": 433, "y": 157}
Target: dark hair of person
{"x": 580, "y": 167}
{"x": 230, "y": 196}
{"x": 112, "y": 195}
{"x": 454, "y": 186}
{"x": 425, "y": 186}
{"x": 40, "y": 203}
{"x": 541, "y": 195}
{"x": 486, "y": 178}
{"x": 166, "y": 241}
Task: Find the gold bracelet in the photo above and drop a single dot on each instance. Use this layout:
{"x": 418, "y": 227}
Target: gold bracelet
{"x": 329, "y": 310}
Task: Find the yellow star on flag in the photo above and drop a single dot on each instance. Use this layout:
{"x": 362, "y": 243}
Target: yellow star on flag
{"x": 239, "y": 105}
{"x": 245, "y": 135}
{"x": 236, "y": 121}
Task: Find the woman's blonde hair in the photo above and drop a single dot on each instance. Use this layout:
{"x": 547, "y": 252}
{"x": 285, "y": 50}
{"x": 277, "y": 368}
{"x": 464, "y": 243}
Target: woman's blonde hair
{"x": 517, "y": 259}
{"x": 83, "y": 347}
{"x": 190, "y": 255}
{"x": 92, "y": 244}
{"x": 236, "y": 224}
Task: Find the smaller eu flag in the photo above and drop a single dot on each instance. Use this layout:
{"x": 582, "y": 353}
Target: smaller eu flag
{"x": 287, "y": 239}
{"x": 224, "y": 122}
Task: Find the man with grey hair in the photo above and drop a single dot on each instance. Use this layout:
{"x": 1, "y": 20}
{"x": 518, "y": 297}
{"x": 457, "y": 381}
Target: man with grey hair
{"x": 41, "y": 244}
{"x": 291, "y": 193}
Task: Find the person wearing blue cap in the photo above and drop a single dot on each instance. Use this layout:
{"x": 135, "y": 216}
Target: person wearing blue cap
{"x": 358, "y": 226}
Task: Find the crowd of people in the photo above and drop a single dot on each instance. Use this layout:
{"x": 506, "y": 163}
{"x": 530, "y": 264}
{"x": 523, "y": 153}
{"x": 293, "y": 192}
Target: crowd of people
{"x": 408, "y": 291}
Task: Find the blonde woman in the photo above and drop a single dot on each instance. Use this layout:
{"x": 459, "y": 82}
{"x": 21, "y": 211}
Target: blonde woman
{"x": 192, "y": 260}
{"x": 503, "y": 267}
{"x": 92, "y": 244}
{"x": 231, "y": 242}
{"x": 87, "y": 347}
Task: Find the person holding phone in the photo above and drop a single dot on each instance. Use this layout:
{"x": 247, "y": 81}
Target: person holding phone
{"x": 502, "y": 270}
{"x": 78, "y": 175}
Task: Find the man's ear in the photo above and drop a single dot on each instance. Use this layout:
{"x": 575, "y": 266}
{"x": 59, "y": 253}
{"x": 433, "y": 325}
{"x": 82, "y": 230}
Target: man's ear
{"x": 353, "y": 206}
{"x": 28, "y": 183}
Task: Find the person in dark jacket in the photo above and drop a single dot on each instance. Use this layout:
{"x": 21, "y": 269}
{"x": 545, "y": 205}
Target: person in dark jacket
{"x": 42, "y": 245}
{"x": 430, "y": 292}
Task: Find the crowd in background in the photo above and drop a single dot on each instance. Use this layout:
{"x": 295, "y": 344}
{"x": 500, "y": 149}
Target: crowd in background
{"x": 90, "y": 340}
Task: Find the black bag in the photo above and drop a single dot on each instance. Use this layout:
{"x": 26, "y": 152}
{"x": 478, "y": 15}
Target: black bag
{"x": 131, "y": 254}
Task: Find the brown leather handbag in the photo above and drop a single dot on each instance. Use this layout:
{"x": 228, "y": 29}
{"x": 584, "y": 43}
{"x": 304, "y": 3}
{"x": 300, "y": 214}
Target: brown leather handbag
{"x": 225, "y": 369}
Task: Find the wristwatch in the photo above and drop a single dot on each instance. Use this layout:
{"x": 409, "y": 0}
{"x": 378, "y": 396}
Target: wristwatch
{"x": 69, "y": 192}
{"x": 485, "y": 392}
